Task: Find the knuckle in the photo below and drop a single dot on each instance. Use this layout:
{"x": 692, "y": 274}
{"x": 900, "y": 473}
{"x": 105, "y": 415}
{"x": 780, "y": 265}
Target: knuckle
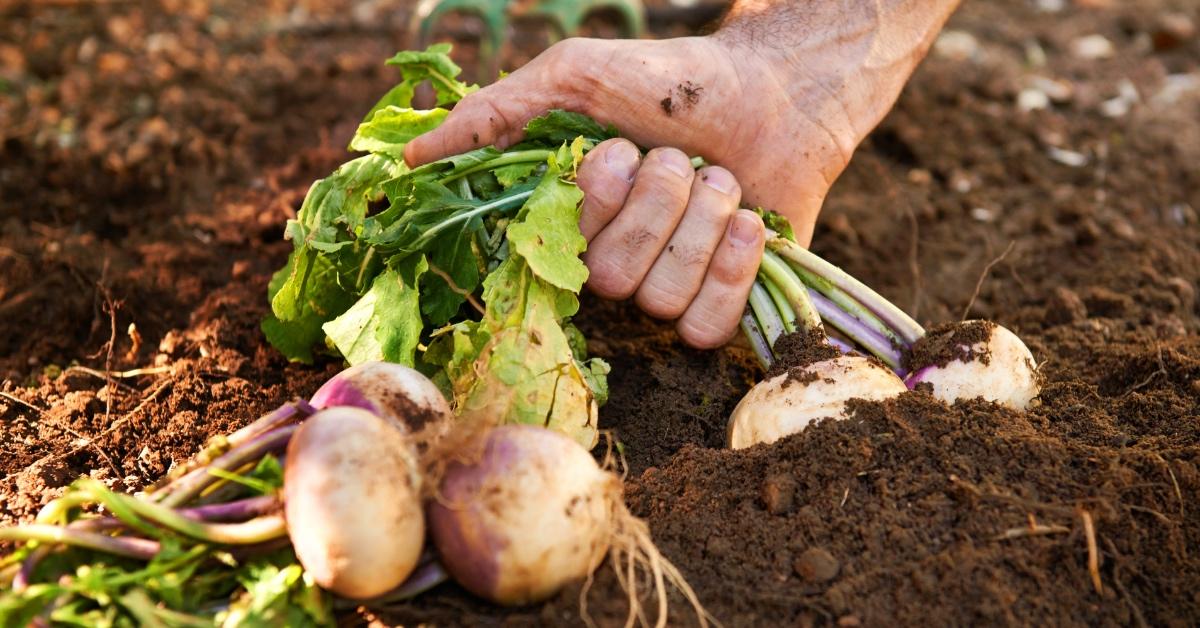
{"x": 689, "y": 255}
{"x": 660, "y": 191}
{"x": 731, "y": 271}
{"x": 702, "y": 332}
{"x": 608, "y": 280}
{"x": 662, "y": 302}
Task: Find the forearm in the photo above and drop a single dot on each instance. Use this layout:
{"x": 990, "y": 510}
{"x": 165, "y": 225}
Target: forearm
{"x": 813, "y": 42}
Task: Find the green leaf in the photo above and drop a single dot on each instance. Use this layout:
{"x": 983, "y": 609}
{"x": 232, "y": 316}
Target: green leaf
{"x": 433, "y": 64}
{"x": 517, "y": 365}
{"x": 548, "y": 235}
{"x": 269, "y": 473}
{"x": 558, "y": 126}
{"x": 398, "y": 96}
{"x": 392, "y": 127}
{"x": 776, "y": 222}
{"x": 595, "y": 372}
{"x": 336, "y": 205}
{"x": 513, "y": 174}
{"x": 451, "y": 256}
{"x": 277, "y": 593}
{"x": 385, "y": 324}
{"x": 308, "y": 297}
{"x": 426, "y": 208}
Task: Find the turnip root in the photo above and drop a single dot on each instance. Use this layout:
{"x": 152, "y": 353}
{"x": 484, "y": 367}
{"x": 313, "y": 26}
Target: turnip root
{"x": 533, "y": 512}
{"x": 352, "y": 499}
{"x": 388, "y": 390}
{"x": 979, "y": 359}
{"x": 786, "y": 404}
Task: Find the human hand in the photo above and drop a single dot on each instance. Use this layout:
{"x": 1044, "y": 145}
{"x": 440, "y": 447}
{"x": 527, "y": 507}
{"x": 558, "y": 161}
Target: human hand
{"x": 780, "y": 97}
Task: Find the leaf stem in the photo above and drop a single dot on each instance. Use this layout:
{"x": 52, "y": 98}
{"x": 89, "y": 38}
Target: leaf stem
{"x": 503, "y": 202}
{"x": 785, "y": 279}
{"x": 781, "y": 303}
{"x": 506, "y": 159}
{"x": 191, "y": 485}
{"x": 868, "y": 338}
{"x": 901, "y": 324}
{"x": 128, "y": 546}
{"x": 764, "y": 310}
{"x": 256, "y": 530}
{"x": 758, "y": 342}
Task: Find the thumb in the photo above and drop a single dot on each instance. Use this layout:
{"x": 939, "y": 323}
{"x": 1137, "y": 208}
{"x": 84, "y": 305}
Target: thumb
{"x": 497, "y": 114}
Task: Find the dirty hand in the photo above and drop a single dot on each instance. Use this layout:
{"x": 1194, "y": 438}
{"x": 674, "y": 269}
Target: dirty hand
{"x": 780, "y": 97}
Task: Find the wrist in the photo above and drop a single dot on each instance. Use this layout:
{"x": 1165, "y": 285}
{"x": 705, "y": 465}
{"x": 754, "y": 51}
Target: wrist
{"x": 859, "y": 58}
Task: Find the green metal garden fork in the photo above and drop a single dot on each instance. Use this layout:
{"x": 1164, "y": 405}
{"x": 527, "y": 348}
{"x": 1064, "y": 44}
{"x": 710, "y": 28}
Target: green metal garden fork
{"x": 564, "y": 16}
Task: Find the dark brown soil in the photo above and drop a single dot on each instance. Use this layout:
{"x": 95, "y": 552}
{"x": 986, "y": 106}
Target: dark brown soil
{"x": 948, "y": 342}
{"x": 800, "y": 349}
{"x": 150, "y": 153}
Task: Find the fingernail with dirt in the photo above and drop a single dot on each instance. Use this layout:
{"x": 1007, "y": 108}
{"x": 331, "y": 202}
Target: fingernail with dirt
{"x": 719, "y": 179}
{"x": 676, "y": 162}
{"x": 622, "y": 159}
{"x": 744, "y": 229}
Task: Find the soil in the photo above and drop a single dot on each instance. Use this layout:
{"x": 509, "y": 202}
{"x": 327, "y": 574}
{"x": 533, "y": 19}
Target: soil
{"x": 150, "y": 153}
{"x": 948, "y": 342}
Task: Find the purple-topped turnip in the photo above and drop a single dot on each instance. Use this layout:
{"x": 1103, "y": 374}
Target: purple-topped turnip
{"x": 392, "y": 391}
{"x": 529, "y": 511}
{"x": 976, "y": 359}
{"x": 352, "y": 499}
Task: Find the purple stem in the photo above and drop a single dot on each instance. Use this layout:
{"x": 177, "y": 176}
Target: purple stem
{"x": 189, "y": 486}
{"x": 758, "y": 342}
{"x": 25, "y": 575}
{"x": 239, "y": 510}
{"x": 292, "y": 412}
{"x": 893, "y": 317}
{"x": 428, "y": 574}
{"x": 868, "y": 338}
{"x": 840, "y": 344}
{"x": 128, "y": 546}
{"x": 289, "y": 413}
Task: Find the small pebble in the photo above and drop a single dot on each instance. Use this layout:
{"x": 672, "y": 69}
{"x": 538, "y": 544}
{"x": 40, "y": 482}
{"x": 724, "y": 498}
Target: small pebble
{"x": 957, "y": 45}
{"x": 1064, "y": 306}
{"x": 982, "y": 214}
{"x": 778, "y": 494}
{"x": 816, "y": 564}
{"x": 1066, "y": 157}
{"x": 1122, "y": 229}
{"x": 1032, "y": 99}
{"x": 1058, "y": 90}
{"x": 1184, "y": 290}
{"x": 1093, "y": 47}
{"x": 1173, "y": 30}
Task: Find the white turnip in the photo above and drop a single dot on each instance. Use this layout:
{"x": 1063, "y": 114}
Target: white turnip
{"x": 789, "y": 402}
{"x": 976, "y": 359}
{"x": 352, "y": 499}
